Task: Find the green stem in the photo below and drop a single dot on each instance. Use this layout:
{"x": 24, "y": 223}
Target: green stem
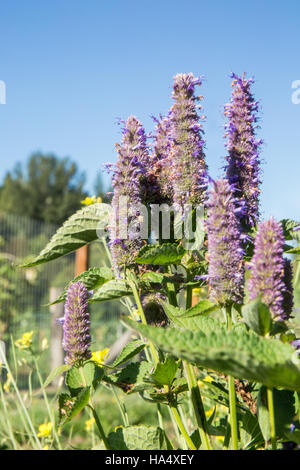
{"x": 232, "y": 397}
{"x": 197, "y": 405}
{"x": 272, "y": 418}
{"x": 5, "y": 410}
{"x": 51, "y": 417}
{"x": 183, "y": 431}
{"x": 121, "y": 406}
{"x": 100, "y": 428}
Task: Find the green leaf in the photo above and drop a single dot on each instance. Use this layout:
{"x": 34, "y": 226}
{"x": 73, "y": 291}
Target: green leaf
{"x": 131, "y": 379}
{"x": 55, "y": 373}
{"x": 257, "y": 316}
{"x": 294, "y": 251}
{"x": 203, "y": 307}
{"x": 129, "y": 351}
{"x": 70, "y": 407}
{"x": 239, "y": 353}
{"x": 288, "y": 229}
{"x": 139, "y": 438}
{"x": 88, "y": 375}
{"x": 114, "y": 289}
{"x": 164, "y": 373}
{"x": 191, "y": 320}
{"x": 93, "y": 278}
{"x": 285, "y": 411}
{"x": 77, "y": 231}
{"x": 165, "y": 254}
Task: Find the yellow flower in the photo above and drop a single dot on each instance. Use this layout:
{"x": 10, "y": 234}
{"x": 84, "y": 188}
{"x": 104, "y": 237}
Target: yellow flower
{"x": 100, "y": 356}
{"x": 220, "y": 439}
{"x": 209, "y": 379}
{"x": 118, "y": 427}
{"x": 91, "y": 200}
{"x": 45, "y": 429}
{"x": 209, "y": 412}
{"x": 26, "y": 340}
{"x": 88, "y": 425}
{"x": 45, "y": 344}
{"x": 6, "y": 386}
{"x": 45, "y": 448}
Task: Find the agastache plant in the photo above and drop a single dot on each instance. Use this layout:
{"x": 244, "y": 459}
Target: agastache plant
{"x": 129, "y": 179}
{"x": 189, "y": 170}
{"x": 270, "y": 275}
{"x": 243, "y": 162}
{"x": 76, "y": 324}
{"x": 225, "y": 253}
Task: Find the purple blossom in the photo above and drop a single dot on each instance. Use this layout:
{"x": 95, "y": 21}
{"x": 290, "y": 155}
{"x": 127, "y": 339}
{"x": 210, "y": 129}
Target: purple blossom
{"x": 187, "y": 160}
{"x": 129, "y": 180}
{"x": 76, "y": 324}
{"x": 243, "y": 163}
{"x": 270, "y": 273}
{"x": 225, "y": 253}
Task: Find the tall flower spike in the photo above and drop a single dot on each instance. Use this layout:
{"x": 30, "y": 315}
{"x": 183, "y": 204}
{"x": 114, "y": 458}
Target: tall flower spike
{"x": 161, "y": 167}
{"x": 243, "y": 163}
{"x": 269, "y": 271}
{"x": 189, "y": 170}
{"x": 225, "y": 253}
{"x": 128, "y": 181}
{"x": 76, "y": 324}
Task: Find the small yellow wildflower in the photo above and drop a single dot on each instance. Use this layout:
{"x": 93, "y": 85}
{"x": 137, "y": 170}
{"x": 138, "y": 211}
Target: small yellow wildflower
{"x": 100, "y": 356}
{"x": 45, "y": 448}
{"x": 88, "y": 425}
{"x": 209, "y": 412}
{"x": 26, "y": 340}
{"x": 91, "y": 200}
{"x": 7, "y": 385}
{"x": 220, "y": 439}
{"x": 45, "y": 429}
{"x": 45, "y": 344}
{"x": 209, "y": 379}
{"x": 118, "y": 427}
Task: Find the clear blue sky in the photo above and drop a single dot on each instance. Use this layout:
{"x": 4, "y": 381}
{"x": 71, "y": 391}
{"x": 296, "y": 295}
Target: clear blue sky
{"x": 72, "y": 66}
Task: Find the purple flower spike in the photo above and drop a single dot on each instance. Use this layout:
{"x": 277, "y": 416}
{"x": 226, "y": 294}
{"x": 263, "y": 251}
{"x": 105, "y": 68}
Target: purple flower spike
{"x": 270, "y": 274}
{"x": 243, "y": 163}
{"x": 129, "y": 180}
{"x": 225, "y": 253}
{"x": 189, "y": 170}
{"x": 76, "y": 325}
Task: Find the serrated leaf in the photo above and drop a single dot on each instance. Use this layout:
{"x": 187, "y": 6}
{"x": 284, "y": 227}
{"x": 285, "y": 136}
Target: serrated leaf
{"x": 164, "y": 373}
{"x": 70, "y": 407}
{"x": 289, "y": 231}
{"x": 77, "y": 231}
{"x": 257, "y": 316}
{"x": 87, "y": 375}
{"x": 165, "y": 254}
{"x": 131, "y": 379}
{"x": 239, "y": 353}
{"x": 139, "y": 438}
{"x": 294, "y": 251}
{"x": 92, "y": 278}
{"x": 129, "y": 351}
{"x": 55, "y": 373}
{"x": 190, "y": 320}
{"x": 114, "y": 289}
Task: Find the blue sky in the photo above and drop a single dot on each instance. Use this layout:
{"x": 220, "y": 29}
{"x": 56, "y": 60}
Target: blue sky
{"x": 71, "y": 67}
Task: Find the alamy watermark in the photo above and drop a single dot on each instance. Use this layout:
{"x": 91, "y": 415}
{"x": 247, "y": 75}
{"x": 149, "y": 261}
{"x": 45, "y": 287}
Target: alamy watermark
{"x": 153, "y": 222}
{"x": 2, "y": 92}
{"x": 296, "y": 93}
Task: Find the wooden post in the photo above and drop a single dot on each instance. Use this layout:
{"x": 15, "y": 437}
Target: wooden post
{"x": 56, "y": 349}
{"x": 82, "y": 260}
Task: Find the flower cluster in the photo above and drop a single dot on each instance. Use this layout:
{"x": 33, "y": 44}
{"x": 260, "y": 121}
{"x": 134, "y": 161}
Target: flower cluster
{"x": 270, "y": 273}
{"x": 242, "y": 169}
{"x": 189, "y": 170}
{"x": 225, "y": 253}
{"x": 76, "y": 324}
{"x": 129, "y": 181}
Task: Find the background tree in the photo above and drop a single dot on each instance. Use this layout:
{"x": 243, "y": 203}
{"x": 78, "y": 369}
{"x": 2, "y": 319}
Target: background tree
{"x": 50, "y": 189}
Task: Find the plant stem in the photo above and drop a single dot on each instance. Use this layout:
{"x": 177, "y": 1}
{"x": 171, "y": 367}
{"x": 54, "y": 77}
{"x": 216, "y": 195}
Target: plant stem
{"x": 100, "y": 428}
{"x": 197, "y": 405}
{"x": 143, "y": 318}
{"x": 232, "y": 398}
{"x": 5, "y": 410}
{"x": 51, "y": 417}
{"x": 121, "y": 406}
{"x": 272, "y": 418}
{"x": 183, "y": 431}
